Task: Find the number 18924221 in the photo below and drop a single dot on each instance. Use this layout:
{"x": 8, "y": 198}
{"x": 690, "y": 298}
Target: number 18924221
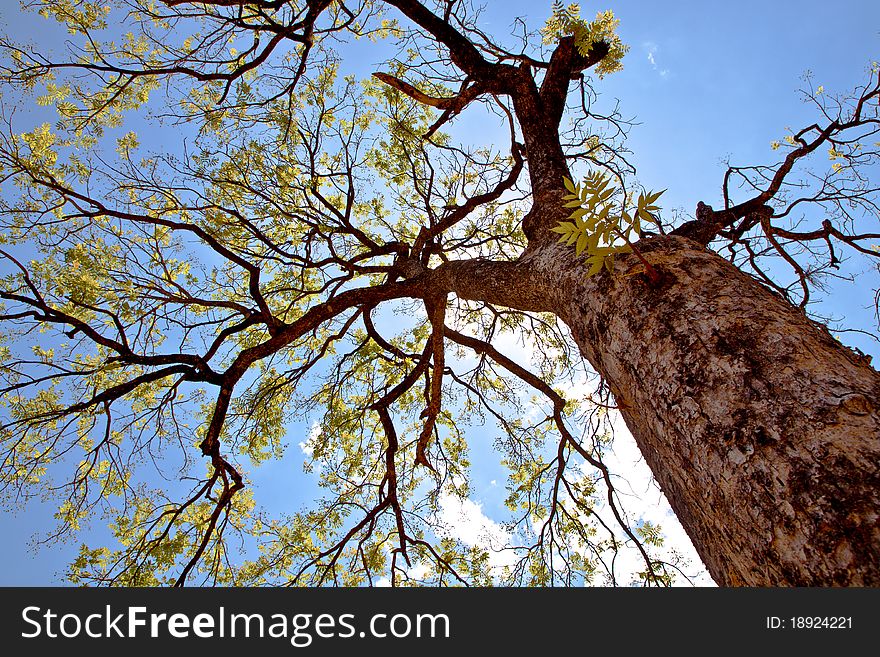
{"x": 809, "y": 623}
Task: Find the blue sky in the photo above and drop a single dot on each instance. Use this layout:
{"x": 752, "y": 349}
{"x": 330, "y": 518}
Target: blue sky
{"x": 704, "y": 80}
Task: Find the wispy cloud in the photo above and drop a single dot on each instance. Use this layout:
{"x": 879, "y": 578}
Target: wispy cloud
{"x": 651, "y": 49}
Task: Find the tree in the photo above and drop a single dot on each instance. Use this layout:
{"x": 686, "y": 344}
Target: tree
{"x": 176, "y": 312}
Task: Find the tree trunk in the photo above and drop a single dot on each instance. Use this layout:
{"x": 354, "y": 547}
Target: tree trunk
{"x": 762, "y": 430}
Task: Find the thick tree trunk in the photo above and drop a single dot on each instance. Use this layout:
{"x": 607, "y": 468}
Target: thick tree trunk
{"x": 762, "y": 430}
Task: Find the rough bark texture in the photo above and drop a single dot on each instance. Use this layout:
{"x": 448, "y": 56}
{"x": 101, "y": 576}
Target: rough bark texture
{"x": 762, "y": 430}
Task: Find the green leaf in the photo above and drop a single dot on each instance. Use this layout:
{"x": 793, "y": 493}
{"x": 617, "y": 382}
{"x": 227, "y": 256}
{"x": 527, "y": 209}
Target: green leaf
{"x": 653, "y": 197}
{"x": 597, "y": 263}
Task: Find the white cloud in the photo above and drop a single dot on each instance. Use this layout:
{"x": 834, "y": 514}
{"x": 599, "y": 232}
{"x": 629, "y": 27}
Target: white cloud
{"x": 463, "y": 519}
{"x": 651, "y": 49}
{"x": 419, "y": 571}
{"x": 308, "y": 445}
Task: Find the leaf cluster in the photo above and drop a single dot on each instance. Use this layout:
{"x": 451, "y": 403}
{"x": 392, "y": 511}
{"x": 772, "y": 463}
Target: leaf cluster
{"x": 599, "y": 226}
{"x": 566, "y": 21}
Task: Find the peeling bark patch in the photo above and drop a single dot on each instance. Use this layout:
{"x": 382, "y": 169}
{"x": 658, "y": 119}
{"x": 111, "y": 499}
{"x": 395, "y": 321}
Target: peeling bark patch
{"x": 856, "y": 404}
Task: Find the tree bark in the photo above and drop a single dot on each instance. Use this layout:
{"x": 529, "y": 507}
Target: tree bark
{"x": 762, "y": 430}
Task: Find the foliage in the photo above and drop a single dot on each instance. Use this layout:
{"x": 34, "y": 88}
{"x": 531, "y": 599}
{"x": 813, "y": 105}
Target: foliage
{"x": 566, "y": 21}
{"x": 600, "y": 227}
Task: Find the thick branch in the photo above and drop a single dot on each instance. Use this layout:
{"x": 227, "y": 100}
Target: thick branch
{"x": 461, "y": 50}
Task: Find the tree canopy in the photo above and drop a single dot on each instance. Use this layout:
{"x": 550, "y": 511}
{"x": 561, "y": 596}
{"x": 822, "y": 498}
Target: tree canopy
{"x": 304, "y": 248}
